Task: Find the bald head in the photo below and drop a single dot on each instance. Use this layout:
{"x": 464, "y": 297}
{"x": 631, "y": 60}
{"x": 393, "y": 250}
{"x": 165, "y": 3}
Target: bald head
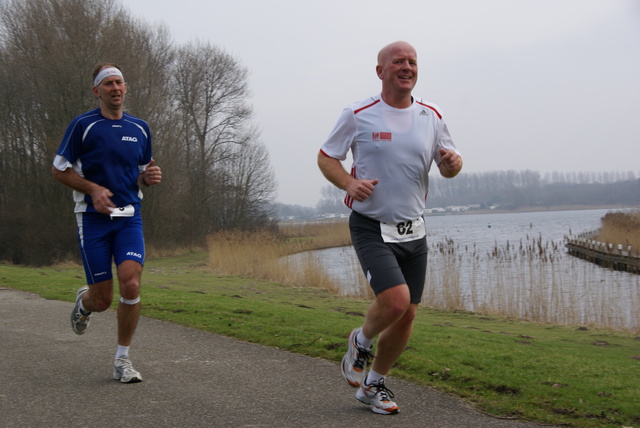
{"x": 389, "y": 50}
{"x": 398, "y": 70}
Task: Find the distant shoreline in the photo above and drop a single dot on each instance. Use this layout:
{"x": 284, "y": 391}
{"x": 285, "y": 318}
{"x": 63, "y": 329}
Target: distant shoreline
{"x": 474, "y": 211}
{"x": 532, "y": 210}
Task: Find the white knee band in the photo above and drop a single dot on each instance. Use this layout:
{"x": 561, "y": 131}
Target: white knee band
{"x": 130, "y": 302}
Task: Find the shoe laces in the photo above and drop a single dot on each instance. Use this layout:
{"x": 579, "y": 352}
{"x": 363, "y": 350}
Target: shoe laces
{"x": 381, "y": 390}
{"x": 363, "y": 356}
{"x": 124, "y": 363}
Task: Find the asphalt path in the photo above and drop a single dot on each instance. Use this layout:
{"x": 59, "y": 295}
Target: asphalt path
{"x": 51, "y": 377}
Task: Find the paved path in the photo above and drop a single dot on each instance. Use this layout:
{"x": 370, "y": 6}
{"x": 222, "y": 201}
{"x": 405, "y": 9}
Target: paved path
{"x": 51, "y": 377}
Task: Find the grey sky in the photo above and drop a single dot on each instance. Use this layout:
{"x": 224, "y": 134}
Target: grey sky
{"x": 544, "y": 85}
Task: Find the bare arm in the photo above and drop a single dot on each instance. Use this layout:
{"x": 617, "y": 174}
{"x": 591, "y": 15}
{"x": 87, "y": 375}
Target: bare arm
{"x": 358, "y": 189}
{"x": 101, "y": 196}
{"x": 450, "y": 164}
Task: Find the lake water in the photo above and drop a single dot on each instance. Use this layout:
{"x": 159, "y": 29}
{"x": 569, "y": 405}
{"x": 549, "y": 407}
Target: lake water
{"x": 512, "y": 264}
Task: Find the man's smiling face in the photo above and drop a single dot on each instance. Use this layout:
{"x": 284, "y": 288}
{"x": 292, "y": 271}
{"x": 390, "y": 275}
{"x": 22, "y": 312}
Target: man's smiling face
{"x": 398, "y": 68}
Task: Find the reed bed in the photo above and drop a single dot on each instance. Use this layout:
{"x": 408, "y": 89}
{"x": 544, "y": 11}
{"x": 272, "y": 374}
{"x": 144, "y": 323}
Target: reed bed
{"x": 315, "y": 235}
{"x": 533, "y": 279}
{"x": 262, "y": 254}
{"x": 621, "y": 228}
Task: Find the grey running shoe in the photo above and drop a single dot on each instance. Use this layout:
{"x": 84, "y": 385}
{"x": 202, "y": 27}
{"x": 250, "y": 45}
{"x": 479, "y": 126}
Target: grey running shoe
{"x": 79, "y": 321}
{"x": 124, "y": 372}
{"x": 354, "y": 362}
{"x": 378, "y": 396}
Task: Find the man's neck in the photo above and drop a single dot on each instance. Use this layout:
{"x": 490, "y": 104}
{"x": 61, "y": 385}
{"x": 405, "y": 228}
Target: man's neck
{"x": 397, "y": 100}
{"x": 110, "y": 113}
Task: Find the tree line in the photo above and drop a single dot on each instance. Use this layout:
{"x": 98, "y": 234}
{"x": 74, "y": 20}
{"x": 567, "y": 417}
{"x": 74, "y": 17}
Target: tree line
{"x": 217, "y": 173}
{"x": 504, "y": 190}
{"x": 530, "y": 189}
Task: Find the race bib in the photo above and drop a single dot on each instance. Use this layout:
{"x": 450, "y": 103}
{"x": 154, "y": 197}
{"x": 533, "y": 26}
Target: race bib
{"x": 405, "y": 231}
{"x": 127, "y": 211}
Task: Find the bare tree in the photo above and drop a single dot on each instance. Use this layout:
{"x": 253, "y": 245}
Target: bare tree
{"x": 217, "y": 174}
{"x": 332, "y": 200}
{"x": 48, "y": 51}
{"x": 211, "y": 90}
{"x": 245, "y": 189}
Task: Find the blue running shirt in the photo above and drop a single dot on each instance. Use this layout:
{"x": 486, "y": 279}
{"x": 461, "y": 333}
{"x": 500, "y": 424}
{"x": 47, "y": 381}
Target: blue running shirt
{"x": 111, "y": 153}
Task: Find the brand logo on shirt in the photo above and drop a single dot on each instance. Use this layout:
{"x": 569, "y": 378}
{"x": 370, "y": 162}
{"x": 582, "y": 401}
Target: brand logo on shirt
{"x": 134, "y": 254}
{"x": 424, "y": 113}
{"x": 381, "y": 136}
{"x": 132, "y": 139}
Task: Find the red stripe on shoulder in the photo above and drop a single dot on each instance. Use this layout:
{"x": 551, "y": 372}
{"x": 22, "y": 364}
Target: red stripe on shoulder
{"x": 366, "y": 107}
{"x": 428, "y": 106}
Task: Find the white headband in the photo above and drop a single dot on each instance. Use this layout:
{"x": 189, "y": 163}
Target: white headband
{"x": 111, "y": 71}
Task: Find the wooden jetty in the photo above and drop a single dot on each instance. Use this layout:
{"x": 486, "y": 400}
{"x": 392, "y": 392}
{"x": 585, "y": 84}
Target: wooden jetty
{"x": 603, "y": 254}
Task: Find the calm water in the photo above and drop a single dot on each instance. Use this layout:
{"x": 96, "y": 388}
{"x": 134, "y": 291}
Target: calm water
{"x": 511, "y": 264}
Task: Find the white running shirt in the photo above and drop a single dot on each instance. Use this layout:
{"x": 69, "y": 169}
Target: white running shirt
{"x": 396, "y": 146}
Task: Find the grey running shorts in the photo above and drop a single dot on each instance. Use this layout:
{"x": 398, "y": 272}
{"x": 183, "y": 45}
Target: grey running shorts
{"x": 388, "y": 264}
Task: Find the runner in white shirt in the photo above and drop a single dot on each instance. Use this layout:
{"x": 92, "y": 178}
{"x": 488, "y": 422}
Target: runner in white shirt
{"x": 394, "y": 138}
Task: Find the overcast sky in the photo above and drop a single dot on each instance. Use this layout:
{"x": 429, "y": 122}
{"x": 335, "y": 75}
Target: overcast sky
{"x": 542, "y": 85}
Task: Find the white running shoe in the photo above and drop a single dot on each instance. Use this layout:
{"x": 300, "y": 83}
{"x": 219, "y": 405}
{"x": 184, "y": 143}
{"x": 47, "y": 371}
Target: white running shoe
{"x": 378, "y": 396}
{"x": 124, "y": 371}
{"x": 79, "y": 321}
{"x": 354, "y": 362}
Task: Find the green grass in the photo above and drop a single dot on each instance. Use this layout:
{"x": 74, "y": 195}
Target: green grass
{"x": 505, "y": 367}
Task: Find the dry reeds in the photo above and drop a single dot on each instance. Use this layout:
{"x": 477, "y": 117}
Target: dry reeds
{"x": 316, "y": 235}
{"x": 621, "y": 228}
{"x": 261, "y": 254}
{"x": 534, "y": 279}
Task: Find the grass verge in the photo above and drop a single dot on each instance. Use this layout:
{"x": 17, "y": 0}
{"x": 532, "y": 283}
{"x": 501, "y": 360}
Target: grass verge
{"x": 551, "y": 374}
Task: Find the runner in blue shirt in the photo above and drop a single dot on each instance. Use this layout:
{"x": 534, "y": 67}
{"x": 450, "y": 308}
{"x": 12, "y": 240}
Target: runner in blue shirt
{"x": 105, "y": 157}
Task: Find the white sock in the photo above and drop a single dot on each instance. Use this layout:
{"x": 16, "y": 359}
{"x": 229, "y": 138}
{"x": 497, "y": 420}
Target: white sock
{"x": 364, "y": 341}
{"x": 83, "y": 310}
{"x": 122, "y": 351}
{"x": 373, "y": 377}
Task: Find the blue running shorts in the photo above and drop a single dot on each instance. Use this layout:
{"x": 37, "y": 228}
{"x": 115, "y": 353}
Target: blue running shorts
{"x": 104, "y": 239}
